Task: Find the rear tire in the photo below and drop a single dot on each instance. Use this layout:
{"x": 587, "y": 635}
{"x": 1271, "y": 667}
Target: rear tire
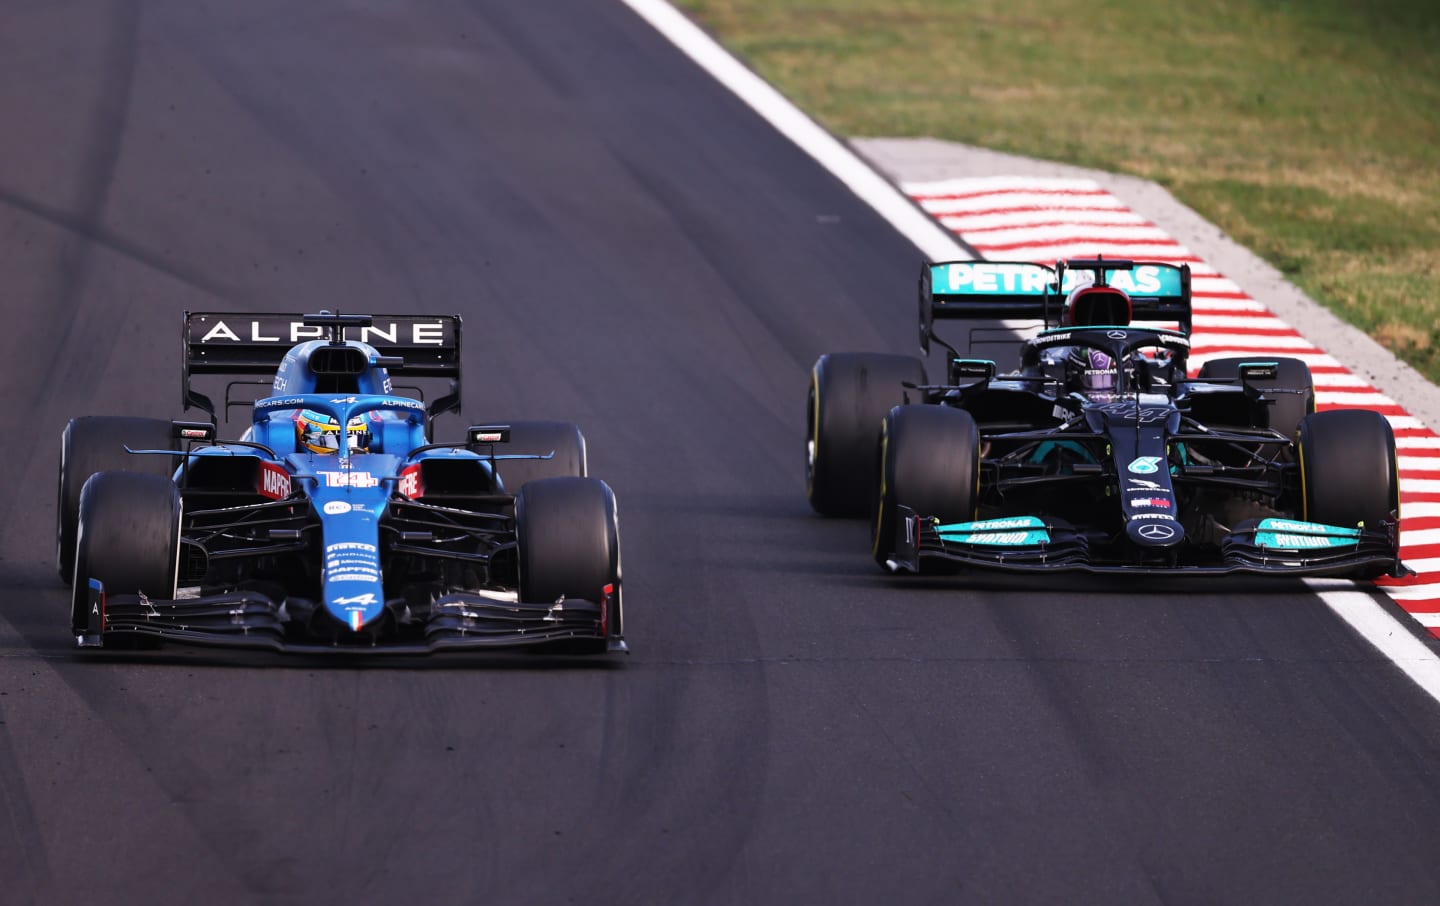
{"x": 850, "y": 392}
{"x": 1286, "y": 413}
{"x": 569, "y": 545}
{"x": 541, "y": 437}
{"x": 929, "y": 462}
{"x": 1348, "y": 473}
{"x": 127, "y": 536}
{"x": 97, "y": 443}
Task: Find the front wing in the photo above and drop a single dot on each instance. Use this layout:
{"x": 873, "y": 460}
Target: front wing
{"x": 252, "y": 620}
{"x": 1060, "y": 547}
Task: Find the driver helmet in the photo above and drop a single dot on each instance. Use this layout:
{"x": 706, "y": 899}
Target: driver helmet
{"x": 1097, "y": 371}
{"x": 320, "y": 433}
{"x": 1096, "y": 306}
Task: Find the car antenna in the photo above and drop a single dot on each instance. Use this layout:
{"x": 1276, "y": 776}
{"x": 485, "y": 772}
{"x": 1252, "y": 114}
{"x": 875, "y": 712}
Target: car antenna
{"x": 336, "y": 326}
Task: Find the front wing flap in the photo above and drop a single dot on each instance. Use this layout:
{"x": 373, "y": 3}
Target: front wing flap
{"x": 247, "y": 619}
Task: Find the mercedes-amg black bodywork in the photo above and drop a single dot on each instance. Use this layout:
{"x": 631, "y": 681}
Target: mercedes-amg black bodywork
{"x": 1101, "y": 452}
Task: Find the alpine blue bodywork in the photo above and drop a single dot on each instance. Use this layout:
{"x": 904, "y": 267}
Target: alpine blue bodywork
{"x": 391, "y": 543}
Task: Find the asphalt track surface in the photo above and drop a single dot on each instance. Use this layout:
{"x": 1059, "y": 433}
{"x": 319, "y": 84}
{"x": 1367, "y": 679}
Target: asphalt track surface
{"x": 633, "y": 250}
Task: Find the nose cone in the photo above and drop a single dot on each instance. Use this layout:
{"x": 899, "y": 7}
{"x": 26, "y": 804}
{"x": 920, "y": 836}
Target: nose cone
{"x": 1157, "y": 531}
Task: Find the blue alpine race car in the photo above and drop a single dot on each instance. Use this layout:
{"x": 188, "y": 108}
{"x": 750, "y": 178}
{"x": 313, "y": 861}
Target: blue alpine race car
{"x": 335, "y": 522}
{"x": 1100, "y": 452}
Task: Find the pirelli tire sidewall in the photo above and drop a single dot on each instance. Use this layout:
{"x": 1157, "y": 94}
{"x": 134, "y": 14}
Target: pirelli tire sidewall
{"x": 849, "y": 394}
{"x": 929, "y": 462}
{"x": 127, "y": 536}
{"x": 97, "y": 443}
{"x": 568, "y": 543}
{"x": 1348, "y": 471}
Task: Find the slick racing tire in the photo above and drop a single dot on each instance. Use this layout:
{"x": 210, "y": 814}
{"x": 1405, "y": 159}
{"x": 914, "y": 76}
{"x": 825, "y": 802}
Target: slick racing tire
{"x": 97, "y": 443}
{"x": 850, "y": 392}
{"x": 1286, "y": 412}
{"x": 929, "y": 462}
{"x": 568, "y": 544}
{"x": 541, "y": 437}
{"x": 128, "y": 537}
{"x": 1348, "y": 474}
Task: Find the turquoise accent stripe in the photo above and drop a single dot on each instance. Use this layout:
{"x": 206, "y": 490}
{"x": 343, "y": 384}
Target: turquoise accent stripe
{"x": 1292, "y": 534}
{"x": 1006, "y": 524}
{"x": 982, "y": 278}
{"x": 1296, "y": 527}
{"x": 987, "y": 278}
{"x": 1001, "y": 539}
{"x": 1010, "y": 531}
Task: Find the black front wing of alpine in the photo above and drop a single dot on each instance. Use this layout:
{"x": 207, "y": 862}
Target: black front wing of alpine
{"x": 251, "y": 620}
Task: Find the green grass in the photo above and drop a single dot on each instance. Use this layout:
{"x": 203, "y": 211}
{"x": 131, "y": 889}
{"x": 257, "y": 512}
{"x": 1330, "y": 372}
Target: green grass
{"x": 1308, "y": 130}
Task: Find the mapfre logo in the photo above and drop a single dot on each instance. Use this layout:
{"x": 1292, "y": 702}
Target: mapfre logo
{"x": 409, "y": 484}
{"x": 273, "y": 481}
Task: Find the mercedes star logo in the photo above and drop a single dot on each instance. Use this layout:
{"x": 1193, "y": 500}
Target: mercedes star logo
{"x": 1157, "y": 531}
{"x": 1117, "y": 334}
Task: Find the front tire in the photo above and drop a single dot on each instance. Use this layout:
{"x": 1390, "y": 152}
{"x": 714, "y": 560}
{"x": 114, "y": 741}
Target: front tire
{"x": 1348, "y": 473}
{"x": 96, "y": 443}
{"x": 850, "y": 392}
{"x": 568, "y": 545}
{"x": 929, "y": 462}
{"x": 128, "y": 537}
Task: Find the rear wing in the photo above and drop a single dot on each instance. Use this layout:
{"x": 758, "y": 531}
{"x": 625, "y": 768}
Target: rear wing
{"x": 1001, "y": 290}
{"x": 245, "y": 343}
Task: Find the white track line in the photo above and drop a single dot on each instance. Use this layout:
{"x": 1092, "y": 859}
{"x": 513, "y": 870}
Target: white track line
{"x": 875, "y": 190}
{"x": 1358, "y": 608}
{"x": 1381, "y": 629}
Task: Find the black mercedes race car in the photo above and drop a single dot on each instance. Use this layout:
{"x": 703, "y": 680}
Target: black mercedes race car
{"x": 1099, "y": 453}
{"x": 334, "y": 522}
